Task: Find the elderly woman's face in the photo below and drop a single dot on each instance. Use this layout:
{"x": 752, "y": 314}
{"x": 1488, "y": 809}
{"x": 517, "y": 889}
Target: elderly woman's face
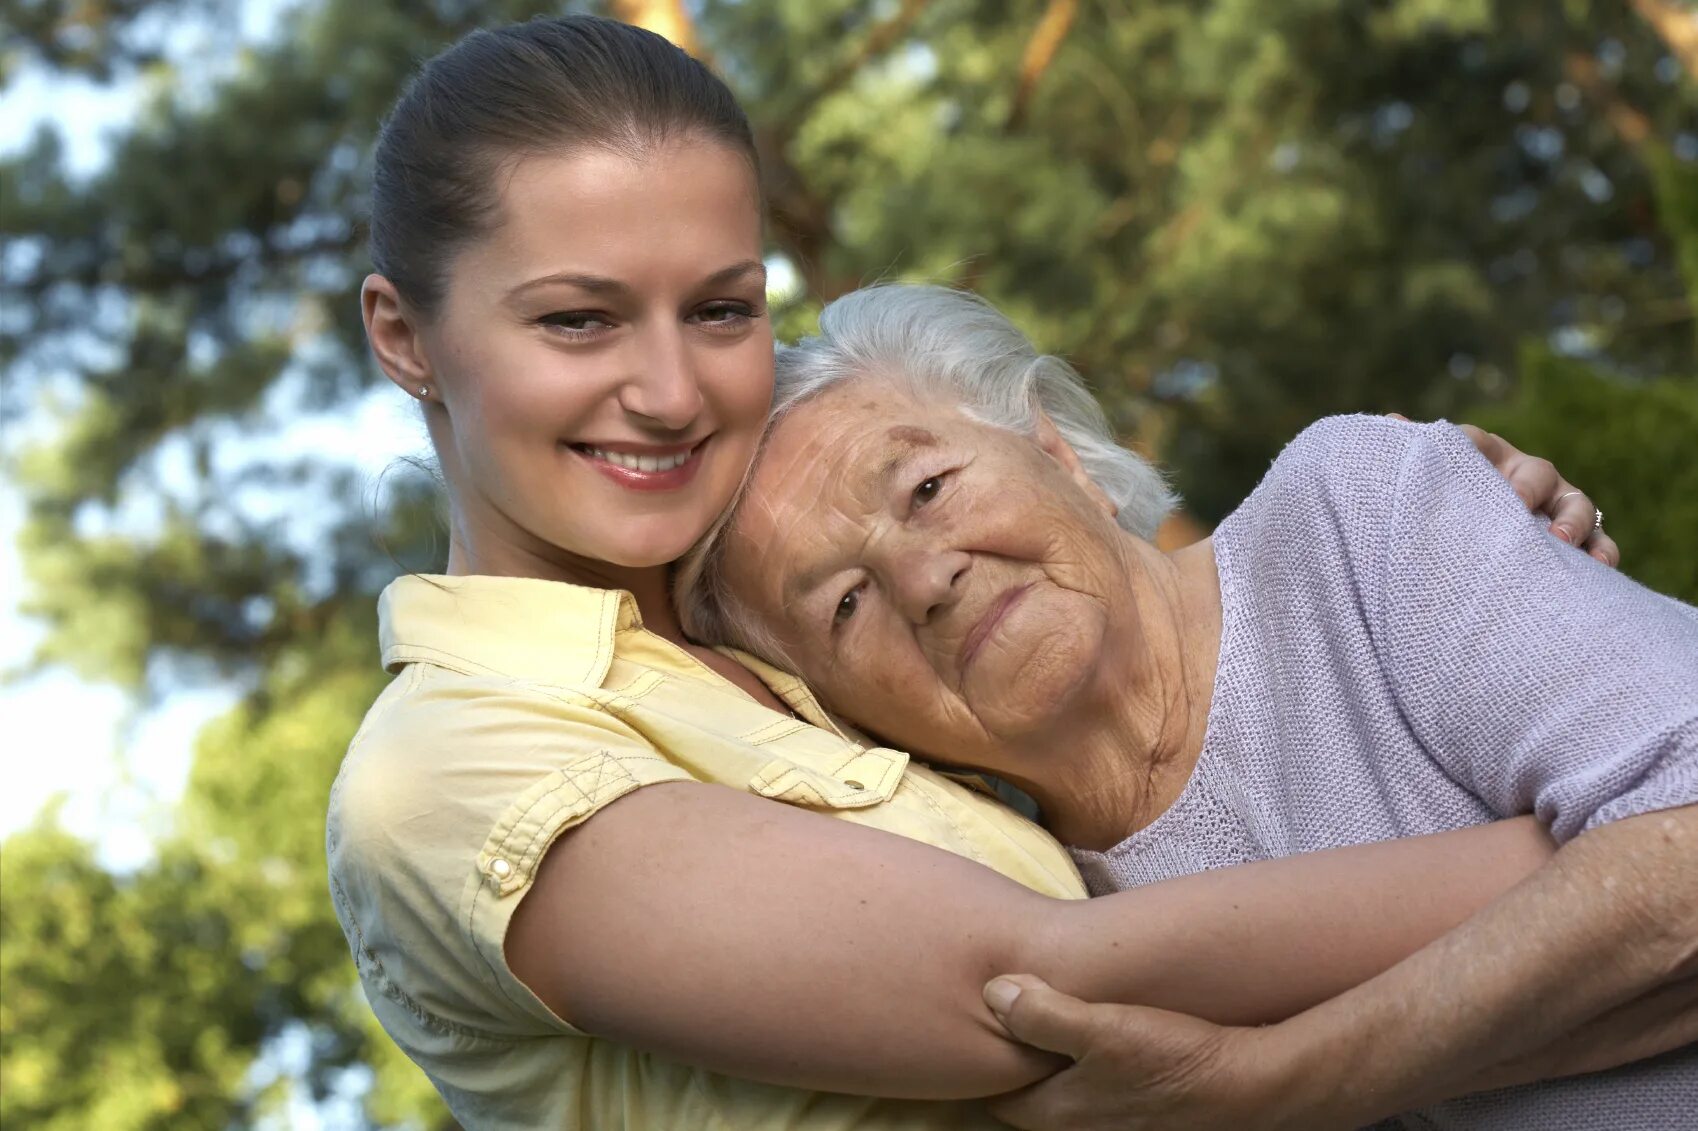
{"x": 945, "y": 583}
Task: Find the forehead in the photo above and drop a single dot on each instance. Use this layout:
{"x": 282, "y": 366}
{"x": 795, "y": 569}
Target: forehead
{"x": 679, "y": 205}
{"x": 845, "y": 440}
{"x": 822, "y": 478}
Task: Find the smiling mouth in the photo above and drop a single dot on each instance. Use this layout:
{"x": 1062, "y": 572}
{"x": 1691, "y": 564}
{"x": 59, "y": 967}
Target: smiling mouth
{"x": 987, "y": 623}
{"x": 644, "y": 468}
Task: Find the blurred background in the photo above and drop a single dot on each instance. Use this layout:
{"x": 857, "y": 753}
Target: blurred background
{"x": 1234, "y": 216}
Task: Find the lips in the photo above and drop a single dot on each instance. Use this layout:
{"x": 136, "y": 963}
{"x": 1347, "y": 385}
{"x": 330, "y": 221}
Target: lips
{"x": 994, "y": 615}
{"x": 641, "y": 467}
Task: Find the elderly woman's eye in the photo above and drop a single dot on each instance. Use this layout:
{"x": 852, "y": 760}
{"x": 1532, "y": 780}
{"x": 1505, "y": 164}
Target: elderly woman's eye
{"x": 846, "y": 607}
{"x": 927, "y": 490}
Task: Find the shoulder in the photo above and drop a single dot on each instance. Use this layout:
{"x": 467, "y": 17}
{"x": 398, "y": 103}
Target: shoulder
{"x": 1328, "y": 490}
{"x": 462, "y": 747}
{"x": 1349, "y": 457}
{"x": 450, "y": 793}
{"x": 1362, "y": 476}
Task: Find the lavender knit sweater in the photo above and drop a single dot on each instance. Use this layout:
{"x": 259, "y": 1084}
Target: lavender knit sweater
{"x": 1405, "y": 650}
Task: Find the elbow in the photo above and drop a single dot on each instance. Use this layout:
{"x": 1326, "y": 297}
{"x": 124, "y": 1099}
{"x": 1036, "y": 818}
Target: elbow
{"x": 1024, "y": 940}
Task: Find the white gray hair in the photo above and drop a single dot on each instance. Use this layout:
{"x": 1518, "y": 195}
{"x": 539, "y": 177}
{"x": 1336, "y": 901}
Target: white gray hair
{"x": 944, "y": 345}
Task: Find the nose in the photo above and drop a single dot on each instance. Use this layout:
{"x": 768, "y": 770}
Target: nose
{"x": 664, "y": 390}
{"x": 927, "y": 581}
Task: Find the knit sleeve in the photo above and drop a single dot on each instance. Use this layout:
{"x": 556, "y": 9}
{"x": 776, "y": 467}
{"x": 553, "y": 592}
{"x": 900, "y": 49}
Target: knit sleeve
{"x": 1539, "y": 679}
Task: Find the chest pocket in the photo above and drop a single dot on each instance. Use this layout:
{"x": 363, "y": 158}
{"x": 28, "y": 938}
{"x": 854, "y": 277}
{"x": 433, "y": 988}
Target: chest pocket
{"x": 813, "y": 768}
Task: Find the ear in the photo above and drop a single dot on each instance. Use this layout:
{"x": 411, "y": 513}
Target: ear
{"x": 1055, "y": 446}
{"x": 392, "y": 328}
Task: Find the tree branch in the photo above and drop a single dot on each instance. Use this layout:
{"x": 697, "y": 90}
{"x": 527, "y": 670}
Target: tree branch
{"x": 1677, "y": 24}
{"x": 1629, "y": 123}
{"x": 880, "y": 39}
{"x": 801, "y": 217}
{"x": 1052, "y": 28}
{"x": 666, "y": 18}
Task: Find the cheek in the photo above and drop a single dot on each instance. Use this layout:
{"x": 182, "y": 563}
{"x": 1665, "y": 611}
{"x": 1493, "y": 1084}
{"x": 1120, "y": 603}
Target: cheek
{"x": 1048, "y": 651}
{"x": 738, "y": 383}
{"x": 887, "y": 677}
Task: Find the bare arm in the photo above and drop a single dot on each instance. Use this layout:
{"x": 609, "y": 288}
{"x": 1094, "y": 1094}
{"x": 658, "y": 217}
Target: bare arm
{"x": 1588, "y": 964}
{"x": 1664, "y": 1019}
{"x": 1611, "y": 921}
{"x": 779, "y": 945}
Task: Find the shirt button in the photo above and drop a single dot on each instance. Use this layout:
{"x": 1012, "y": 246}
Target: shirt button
{"x": 500, "y": 869}
{"x": 853, "y": 784}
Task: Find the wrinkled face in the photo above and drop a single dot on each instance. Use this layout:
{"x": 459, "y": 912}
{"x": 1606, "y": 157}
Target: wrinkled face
{"x": 947, "y": 584}
{"x": 604, "y": 355}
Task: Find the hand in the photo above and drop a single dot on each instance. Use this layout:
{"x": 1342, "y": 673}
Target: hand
{"x": 1545, "y": 492}
{"x": 1136, "y": 1067}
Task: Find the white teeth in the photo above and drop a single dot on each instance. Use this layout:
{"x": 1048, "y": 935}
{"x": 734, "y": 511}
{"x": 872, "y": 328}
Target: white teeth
{"x": 641, "y": 463}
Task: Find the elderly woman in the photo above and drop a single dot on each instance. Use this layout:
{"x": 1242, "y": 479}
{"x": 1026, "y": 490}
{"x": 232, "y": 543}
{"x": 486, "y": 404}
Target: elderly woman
{"x": 943, "y": 540}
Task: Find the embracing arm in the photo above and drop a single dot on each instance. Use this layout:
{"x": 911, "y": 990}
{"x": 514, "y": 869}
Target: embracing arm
{"x": 1612, "y": 920}
{"x": 771, "y": 943}
{"x": 1591, "y": 963}
{"x": 1540, "y": 682}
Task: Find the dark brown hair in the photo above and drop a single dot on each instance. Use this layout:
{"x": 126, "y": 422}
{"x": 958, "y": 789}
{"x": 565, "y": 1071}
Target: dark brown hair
{"x": 546, "y": 86}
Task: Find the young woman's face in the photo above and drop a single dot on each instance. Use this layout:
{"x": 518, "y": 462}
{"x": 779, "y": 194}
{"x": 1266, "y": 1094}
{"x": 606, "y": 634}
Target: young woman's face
{"x": 604, "y": 357}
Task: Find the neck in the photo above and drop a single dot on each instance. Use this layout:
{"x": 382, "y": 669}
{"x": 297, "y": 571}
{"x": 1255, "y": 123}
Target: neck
{"x": 1134, "y": 736}
{"x": 477, "y": 552}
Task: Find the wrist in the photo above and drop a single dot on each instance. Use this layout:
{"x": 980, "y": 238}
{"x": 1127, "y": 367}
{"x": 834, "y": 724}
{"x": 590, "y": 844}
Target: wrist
{"x": 1305, "y": 1085}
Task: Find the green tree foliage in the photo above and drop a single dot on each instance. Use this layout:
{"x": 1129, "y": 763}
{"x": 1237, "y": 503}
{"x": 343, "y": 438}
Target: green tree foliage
{"x": 1234, "y": 215}
{"x": 1632, "y": 443}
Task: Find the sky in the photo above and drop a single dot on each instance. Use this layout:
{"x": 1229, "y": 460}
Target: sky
{"x": 118, "y": 767}
{"x": 112, "y": 766}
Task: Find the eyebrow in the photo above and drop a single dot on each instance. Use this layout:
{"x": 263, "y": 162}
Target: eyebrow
{"x": 911, "y": 439}
{"x": 746, "y": 270}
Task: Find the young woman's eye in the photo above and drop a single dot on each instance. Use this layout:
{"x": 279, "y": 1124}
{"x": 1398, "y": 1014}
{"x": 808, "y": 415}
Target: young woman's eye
{"x": 847, "y": 606}
{"x": 927, "y": 491}
{"x": 724, "y": 314}
{"x": 576, "y": 323}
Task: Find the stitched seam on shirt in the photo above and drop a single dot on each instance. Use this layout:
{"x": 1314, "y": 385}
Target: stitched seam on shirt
{"x": 626, "y": 698}
{"x": 574, "y": 779}
{"x": 931, "y": 802}
{"x": 603, "y": 645}
{"x": 545, "y": 829}
{"x": 388, "y": 986}
{"x": 427, "y": 650}
{"x": 773, "y": 731}
{"x": 472, "y": 933}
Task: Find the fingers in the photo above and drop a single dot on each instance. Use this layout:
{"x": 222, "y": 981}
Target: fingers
{"x": 1495, "y": 448}
{"x": 1603, "y": 547}
{"x": 1040, "y": 1107}
{"x": 1536, "y": 481}
{"x": 1038, "y": 1015}
{"x": 1573, "y": 514}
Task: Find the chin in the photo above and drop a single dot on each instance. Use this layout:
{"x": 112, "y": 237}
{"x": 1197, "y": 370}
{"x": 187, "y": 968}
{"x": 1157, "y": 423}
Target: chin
{"x": 646, "y": 554}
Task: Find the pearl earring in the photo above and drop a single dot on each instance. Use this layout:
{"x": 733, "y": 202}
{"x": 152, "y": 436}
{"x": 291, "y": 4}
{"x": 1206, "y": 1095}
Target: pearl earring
{"x": 424, "y": 392}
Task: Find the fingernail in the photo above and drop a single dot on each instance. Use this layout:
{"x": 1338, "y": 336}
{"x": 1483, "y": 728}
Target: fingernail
{"x": 1563, "y": 534}
{"x": 1000, "y": 995}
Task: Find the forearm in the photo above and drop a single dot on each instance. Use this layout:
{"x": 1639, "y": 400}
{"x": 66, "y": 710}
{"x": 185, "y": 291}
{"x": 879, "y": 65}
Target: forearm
{"x": 1613, "y": 918}
{"x": 1259, "y": 943}
{"x": 1662, "y": 1020}
{"x": 773, "y": 944}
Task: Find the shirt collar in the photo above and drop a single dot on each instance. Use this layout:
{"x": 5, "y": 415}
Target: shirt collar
{"x": 517, "y": 627}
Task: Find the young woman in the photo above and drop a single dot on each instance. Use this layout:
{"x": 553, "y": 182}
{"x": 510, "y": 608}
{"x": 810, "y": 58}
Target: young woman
{"x": 593, "y": 875}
